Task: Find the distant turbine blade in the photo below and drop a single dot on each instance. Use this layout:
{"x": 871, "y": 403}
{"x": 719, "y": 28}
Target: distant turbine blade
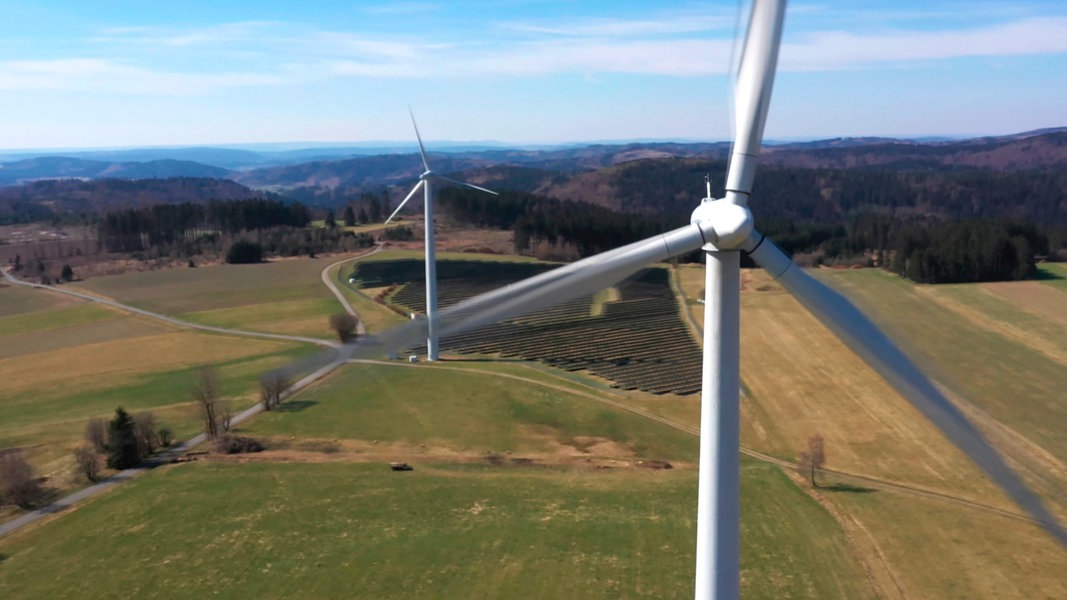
{"x": 422, "y": 149}
{"x": 548, "y": 289}
{"x": 866, "y": 340}
{"x": 465, "y": 184}
{"x": 752, "y": 94}
{"x": 413, "y": 191}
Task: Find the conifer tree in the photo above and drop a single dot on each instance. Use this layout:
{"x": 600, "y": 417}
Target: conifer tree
{"x": 121, "y": 441}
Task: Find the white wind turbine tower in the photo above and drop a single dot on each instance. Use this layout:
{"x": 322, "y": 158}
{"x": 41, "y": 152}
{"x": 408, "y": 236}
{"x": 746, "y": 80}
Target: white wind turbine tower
{"x": 426, "y": 182}
{"x": 724, "y": 228}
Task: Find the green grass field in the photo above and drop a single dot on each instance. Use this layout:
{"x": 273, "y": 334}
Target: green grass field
{"x": 1054, "y": 274}
{"x": 284, "y": 296}
{"x": 343, "y": 530}
{"x": 469, "y": 411}
{"x": 20, "y": 300}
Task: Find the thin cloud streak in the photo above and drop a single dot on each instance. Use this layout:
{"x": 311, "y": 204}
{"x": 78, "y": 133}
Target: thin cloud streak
{"x": 248, "y": 54}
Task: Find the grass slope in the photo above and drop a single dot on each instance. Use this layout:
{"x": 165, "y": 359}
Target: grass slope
{"x": 467, "y": 410}
{"x": 340, "y": 530}
{"x": 801, "y": 380}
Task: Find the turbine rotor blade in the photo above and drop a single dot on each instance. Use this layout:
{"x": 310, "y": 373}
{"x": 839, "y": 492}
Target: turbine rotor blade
{"x": 861, "y": 335}
{"x": 465, "y": 184}
{"x": 752, "y": 93}
{"x": 413, "y": 191}
{"x": 548, "y": 289}
{"x": 422, "y": 149}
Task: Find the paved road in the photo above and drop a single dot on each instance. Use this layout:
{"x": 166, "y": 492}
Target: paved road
{"x": 329, "y": 282}
{"x": 344, "y": 353}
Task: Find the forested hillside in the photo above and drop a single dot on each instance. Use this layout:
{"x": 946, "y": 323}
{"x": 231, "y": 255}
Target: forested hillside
{"x": 54, "y": 198}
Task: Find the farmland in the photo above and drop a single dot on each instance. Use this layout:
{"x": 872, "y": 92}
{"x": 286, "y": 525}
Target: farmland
{"x": 298, "y": 522}
{"x": 64, "y": 360}
{"x": 284, "y": 296}
{"x": 511, "y": 457}
{"x": 800, "y": 380}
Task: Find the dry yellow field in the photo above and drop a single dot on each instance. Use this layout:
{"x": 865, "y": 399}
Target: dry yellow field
{"x": 801, "y": 380}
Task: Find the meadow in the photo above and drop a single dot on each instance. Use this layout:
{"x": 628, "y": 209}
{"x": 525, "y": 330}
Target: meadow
{"x": 281, "y": 296}
{"x": 502, "y": 504}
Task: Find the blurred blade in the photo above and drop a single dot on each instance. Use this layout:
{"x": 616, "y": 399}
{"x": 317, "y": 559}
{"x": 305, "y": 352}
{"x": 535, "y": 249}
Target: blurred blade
{"x": 866, "y": 340}
{"x": 752, "y": 93}
{"x": 548, "y": 289}
{"x": 405, "y": 201}
{"x": 422, "y": 149}
{"x": 465, "y": 184}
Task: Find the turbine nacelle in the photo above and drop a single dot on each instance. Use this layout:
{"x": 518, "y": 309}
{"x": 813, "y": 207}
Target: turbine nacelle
{"x": 725, "y": 225}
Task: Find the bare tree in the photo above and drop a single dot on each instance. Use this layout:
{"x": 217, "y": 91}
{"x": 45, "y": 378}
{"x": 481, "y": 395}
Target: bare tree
{"x": 144, "y": 431}
{"x": 205, "y": 392}
{"x": 812, "y": 459}
{"x": 225, "y": 417}
{"x": 88, "y": 462}
{"x": 344, "y": 325}
{"x": 271, "y": 388}
{"x": 17, "y": 481}
{"x": 164, "y": 436}
{"x": 96, "y": 434}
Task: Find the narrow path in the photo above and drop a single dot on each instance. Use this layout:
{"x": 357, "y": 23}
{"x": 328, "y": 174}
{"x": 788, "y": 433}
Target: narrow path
{"x": 329, "y": 282}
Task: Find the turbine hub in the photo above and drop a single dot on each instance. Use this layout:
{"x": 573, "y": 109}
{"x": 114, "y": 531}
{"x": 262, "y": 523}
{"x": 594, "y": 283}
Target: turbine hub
{"x": 725, "y": 225}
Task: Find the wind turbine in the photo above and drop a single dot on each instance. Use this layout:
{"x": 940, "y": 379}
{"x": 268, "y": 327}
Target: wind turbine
{"x": 724, "y": 228}
{"x": 426, "y": 182}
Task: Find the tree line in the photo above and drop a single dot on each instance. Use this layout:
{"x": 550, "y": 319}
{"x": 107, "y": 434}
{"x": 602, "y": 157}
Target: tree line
{"x": 551, "y": 228}
{"x": 135, "y": 229}
{"x": 925, "y": 249}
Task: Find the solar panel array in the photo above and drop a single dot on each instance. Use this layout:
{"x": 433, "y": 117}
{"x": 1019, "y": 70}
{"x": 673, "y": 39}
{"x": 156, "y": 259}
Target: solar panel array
{"x": 637, "y": 341}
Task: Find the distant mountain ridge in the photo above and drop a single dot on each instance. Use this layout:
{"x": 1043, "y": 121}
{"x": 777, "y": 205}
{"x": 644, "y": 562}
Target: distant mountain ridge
{"x": 643, "y": 177}
{"x": 65, "y": 167}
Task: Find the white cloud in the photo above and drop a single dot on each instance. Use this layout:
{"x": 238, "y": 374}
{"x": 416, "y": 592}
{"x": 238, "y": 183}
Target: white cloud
{"x": 628, "y": 28}
{"x": 833, "y": 50}
{"x": 261, "y": 53}
{"x": 96, "y": 75}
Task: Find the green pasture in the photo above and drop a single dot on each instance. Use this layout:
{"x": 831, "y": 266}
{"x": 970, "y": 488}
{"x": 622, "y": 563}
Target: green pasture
{"x": 45, "y": 320}
{"x": 1054, "y": 274}
{"x": 343, "y": 530}
{"x": 113, "y": 326}
{"x": 283, "y": 296}
{"x": 47, "y": 417}
{"x": 179, "y": 291}
{"x": 1016, "y": 383}
{"x": 19, "y": 300}
{"x": 465, "y": 410}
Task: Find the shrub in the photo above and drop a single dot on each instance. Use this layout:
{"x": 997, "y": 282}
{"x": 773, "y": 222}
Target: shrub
{"x": 235, "y": 444}
{"x": 17, "y": 482}
{"x": 244, "y": 252}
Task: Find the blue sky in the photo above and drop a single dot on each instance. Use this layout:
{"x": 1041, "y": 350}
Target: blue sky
{"x": 116, "y": 73}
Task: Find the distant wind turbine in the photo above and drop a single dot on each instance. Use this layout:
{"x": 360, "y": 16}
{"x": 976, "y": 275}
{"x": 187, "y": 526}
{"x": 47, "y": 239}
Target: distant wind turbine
{"x": 426, "y": 181}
